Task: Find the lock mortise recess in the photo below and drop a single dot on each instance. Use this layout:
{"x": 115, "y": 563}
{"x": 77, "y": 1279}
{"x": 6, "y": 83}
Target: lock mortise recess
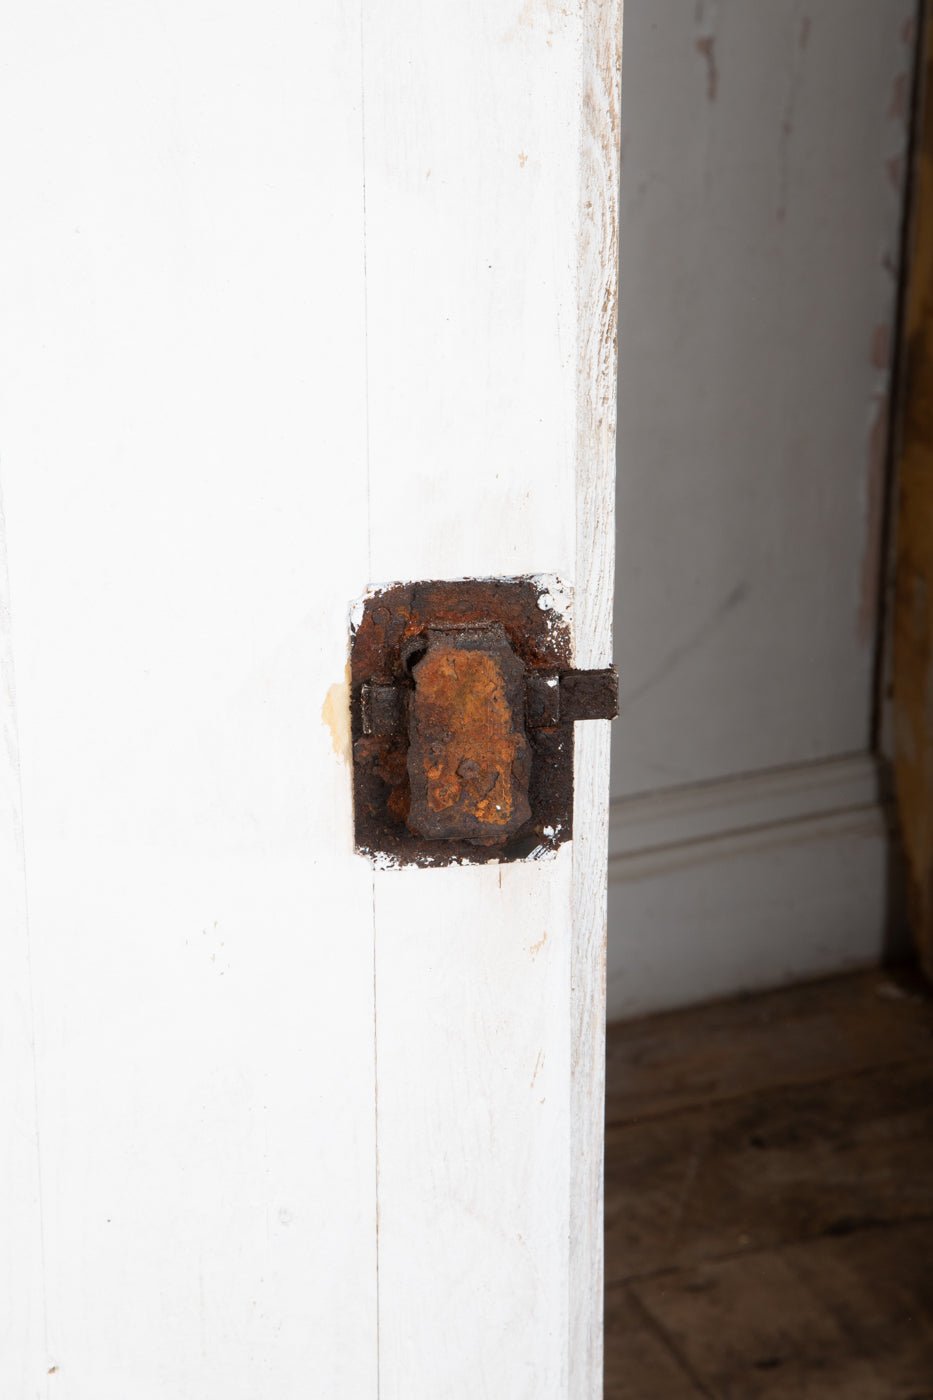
{"x": 463, "y": 702}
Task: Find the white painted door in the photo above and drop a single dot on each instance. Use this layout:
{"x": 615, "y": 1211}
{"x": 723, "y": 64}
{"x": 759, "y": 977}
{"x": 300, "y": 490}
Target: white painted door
{"x": 294, "y": 299}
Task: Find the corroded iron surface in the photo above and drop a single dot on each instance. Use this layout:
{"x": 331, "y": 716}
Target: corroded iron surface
{"x": 393, "y": 639}
{"x": 469, "y": 760}
{"x": 589, "y": 695}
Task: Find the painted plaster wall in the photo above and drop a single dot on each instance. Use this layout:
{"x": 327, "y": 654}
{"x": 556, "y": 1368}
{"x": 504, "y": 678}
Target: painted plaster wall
{"x": 762, "y": 168}
{"x": 763, "y": 158}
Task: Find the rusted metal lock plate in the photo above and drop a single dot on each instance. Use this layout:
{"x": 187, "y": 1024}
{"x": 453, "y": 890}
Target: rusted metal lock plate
{"x": 462, "y": 707}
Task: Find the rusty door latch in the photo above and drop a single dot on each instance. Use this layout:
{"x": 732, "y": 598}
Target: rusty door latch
{"x": 463, "y": 705}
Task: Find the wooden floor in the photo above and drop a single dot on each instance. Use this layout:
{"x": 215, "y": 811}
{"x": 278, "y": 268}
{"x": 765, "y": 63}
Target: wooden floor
{"x": 769, "y": 1197}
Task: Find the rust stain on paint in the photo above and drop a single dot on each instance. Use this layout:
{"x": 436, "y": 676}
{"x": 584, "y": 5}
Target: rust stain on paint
{"x": 707, "y": 47}
{"x": 803, "y": 37}
{"x": 535, "y": 948}
{"x": 871, "y": 557}
{"x": 535, "y": 13}
{"x": 335, "y": 712}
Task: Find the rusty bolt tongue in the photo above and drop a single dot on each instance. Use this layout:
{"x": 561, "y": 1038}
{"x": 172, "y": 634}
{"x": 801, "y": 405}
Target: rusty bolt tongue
{"x": 468, "y": 759}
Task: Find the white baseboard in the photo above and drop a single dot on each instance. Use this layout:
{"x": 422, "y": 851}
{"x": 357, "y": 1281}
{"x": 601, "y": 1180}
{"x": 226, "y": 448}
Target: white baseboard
{"x": 746, "y": 883}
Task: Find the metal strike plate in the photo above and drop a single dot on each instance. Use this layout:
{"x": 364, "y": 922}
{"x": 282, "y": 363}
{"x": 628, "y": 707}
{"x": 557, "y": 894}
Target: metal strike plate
{"x": 463, "y": 702}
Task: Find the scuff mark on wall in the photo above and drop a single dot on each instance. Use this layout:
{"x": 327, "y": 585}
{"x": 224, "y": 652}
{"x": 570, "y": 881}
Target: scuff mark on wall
{"x": 734, "y": 599}
{"x": 874, "y": 507}
{"x": 788, "y": 115}
{"x": 900, "y": 97}
{"x": 881, "y": 346}
{"x": 706, "y": 45}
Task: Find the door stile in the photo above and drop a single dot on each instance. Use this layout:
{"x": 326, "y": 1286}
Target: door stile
{"x": 596, "y": 477}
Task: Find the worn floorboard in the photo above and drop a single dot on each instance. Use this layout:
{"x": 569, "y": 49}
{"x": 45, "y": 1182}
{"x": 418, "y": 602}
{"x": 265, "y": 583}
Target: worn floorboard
{"x": 640, "y": 1361}
{"x": 769, "y": 1198}
{"x": 683, "y": 1059}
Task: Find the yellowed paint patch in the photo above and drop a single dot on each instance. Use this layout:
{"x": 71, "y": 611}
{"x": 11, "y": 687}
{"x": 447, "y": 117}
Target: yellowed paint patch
{"x": 335, "y": 712}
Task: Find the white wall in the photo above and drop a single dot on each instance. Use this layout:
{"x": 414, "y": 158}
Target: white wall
{"x": 762, "y": 180}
